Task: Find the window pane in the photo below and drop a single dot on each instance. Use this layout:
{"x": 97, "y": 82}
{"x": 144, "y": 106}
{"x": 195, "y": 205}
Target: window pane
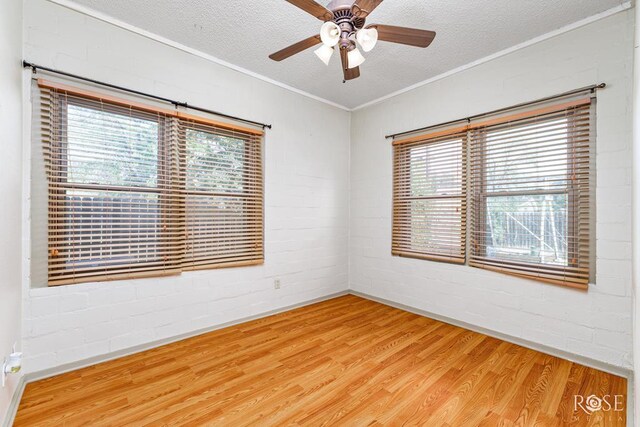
{"x": 530, "y": 229}
{"x": 430, "y": 199}
{"x": 436, "y": 169}
{"x": 531, "y": 157}
{"x": 530, "y": 176}
{"x": 435, "y": 226}
{"x": 220, "y": 227}
{"x": 108, "y": 228}
{"x": 214, "y": 162}
{"x": 108, "y": 148}
{"x": 223, "y": 202}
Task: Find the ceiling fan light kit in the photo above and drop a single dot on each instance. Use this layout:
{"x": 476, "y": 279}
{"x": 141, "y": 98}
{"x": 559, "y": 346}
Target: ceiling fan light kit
{"x": 330, "y": 33}
{"x": 367, "y": 38}
{"x": 344, "y": 25}
{"x": 355, "y": 58}
{"x": 324, "y": 52}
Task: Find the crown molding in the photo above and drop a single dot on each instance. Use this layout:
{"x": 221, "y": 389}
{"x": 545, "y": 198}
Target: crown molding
{"x": 69, "y": 4}
{"x": 622, "y": 7}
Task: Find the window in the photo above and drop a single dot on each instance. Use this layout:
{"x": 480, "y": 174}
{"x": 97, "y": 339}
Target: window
{"x": 429, "y": 198}
{"x": 136, "y": 191}
{"x": 529, "y": 173}
{"x": 223, "y": 197}
{"x": 531, "y": 198}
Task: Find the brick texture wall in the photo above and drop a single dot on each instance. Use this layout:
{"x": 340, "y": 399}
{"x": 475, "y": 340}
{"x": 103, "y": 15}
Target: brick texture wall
{"x": 328, "y": 198}
{"x": 306, "y": 200}
{"x": 597, "y": 323}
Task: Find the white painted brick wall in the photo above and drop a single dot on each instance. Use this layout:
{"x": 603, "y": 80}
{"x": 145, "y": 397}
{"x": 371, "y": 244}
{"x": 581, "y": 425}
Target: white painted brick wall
{"x": 596, "y": 324}
{"x": 10, "y": 182}
{"x": 306, "y": 207}
{"x": 308, "y": 199}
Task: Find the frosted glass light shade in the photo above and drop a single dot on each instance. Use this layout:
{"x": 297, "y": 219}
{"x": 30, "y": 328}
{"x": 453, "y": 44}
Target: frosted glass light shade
{"x": 324, "y": 52}
{"x": 367, "y": 37}
{"x": 330, "y": 33}
{"x": 355, "y": 58}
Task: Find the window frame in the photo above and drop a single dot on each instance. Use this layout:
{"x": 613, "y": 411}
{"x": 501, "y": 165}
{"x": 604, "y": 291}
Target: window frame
{"x": 570, "y": 274}
{"x": 170, "y": 184}
{"x": 482, "y": 195}
{"x": 61, "y": 145}
{"x": 402, "y": 174}
{"x": 252, "y": 149}
{"x": 579, "y": 191}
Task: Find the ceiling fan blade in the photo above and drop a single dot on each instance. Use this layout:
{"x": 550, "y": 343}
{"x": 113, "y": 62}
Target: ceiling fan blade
{"x": 352, "y": 73}
{"x": 349, "y": 73}
{"x": 403, "y": 35}
{"x": 295, "y": 48}
{"x": 363, "y": 8}
{"x": 315, "y": 9}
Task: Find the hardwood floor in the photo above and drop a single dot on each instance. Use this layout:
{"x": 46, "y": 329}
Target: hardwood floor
{"x": 347, "y": 361}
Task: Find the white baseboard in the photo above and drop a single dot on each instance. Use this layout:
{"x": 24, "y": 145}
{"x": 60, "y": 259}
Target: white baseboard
{"x": 579, "y": 359}
{"x": 46, "y": 373}
{"x": 582, "y": 360}
{"x": 15, "y": 402}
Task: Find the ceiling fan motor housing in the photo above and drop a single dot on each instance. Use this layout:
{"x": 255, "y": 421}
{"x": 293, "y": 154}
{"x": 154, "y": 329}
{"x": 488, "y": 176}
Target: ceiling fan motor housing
{"x": 345, "y": 19}
{"x": 340, "y": 4}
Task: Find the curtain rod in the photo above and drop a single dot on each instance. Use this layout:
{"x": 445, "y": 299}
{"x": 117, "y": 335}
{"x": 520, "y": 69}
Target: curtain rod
{"x": 35, "y": 67}
{"x": 591, "y": 88}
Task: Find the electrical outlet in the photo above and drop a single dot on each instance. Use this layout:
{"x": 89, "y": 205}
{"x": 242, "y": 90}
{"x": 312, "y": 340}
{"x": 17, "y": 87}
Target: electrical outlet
{"x": 276, "y": 283}
{"x": 11, "y": 364}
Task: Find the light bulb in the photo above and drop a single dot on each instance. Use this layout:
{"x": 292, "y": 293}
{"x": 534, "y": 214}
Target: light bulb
{"x": 324, "y": 52}
{"x": 355, "y": 58}
{"x": 330, "y": 33}
{"x": 367, "y": 37}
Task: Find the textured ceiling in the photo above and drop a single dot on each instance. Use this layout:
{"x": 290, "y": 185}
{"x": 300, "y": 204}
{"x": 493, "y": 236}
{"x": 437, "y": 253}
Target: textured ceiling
{"x": 245, "y": 32}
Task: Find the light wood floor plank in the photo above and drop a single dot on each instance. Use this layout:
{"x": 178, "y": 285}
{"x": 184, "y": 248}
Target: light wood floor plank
{"x": 347, "y": 361}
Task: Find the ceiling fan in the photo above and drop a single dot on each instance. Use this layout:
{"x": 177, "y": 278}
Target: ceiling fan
{"x": 344, "y": 25}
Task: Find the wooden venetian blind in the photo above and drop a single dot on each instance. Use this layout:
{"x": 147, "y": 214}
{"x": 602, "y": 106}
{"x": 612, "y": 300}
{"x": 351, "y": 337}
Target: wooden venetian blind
{"x": 530, "y": 177}
{"x": 222, "y": 196}
{"x": 429, "y": 197}
{"x": 138, "y": 191}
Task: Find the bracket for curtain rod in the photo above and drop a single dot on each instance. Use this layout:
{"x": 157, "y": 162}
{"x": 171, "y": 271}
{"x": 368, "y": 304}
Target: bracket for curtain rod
{"x": 591, "y": 88}
{"x": 35, "y": 67}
